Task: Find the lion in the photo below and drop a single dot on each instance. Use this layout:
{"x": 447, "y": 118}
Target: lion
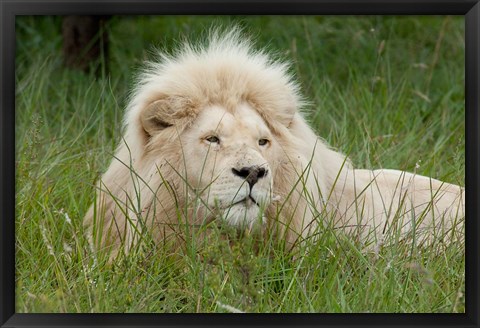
{"x": 217, "y": 133}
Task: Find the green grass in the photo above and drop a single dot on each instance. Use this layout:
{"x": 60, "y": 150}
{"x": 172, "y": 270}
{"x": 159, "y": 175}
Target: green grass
{"x": 387, "y": 91}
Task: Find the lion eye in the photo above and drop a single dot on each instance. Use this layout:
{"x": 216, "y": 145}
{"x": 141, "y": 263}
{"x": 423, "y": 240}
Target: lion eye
{"x": 213, "y": 139}
{"x": 263, "y": 142}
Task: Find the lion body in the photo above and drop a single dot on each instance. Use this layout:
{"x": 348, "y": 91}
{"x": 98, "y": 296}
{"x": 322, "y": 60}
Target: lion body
{"x": 200, "y": 123}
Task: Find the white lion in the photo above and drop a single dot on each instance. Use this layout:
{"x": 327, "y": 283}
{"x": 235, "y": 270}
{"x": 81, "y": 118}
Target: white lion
{"x": 215, "y": 133}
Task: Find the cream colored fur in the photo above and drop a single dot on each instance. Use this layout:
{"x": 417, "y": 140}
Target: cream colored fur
{"x": 170, "y": 176}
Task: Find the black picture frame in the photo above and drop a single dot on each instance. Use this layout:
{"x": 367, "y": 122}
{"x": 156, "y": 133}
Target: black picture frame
{"x": 9, "y": 9}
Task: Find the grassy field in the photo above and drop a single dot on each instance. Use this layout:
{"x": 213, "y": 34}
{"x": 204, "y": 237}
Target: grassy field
{"x": 387, "y": 91}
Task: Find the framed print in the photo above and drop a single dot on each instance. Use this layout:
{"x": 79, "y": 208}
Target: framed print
{"x": 253, "y": 164}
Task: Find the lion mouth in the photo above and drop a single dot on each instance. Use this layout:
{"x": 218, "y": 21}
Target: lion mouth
{"x": 248, "y": 201}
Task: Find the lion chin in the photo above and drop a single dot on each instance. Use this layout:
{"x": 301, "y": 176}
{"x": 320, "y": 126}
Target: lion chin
{"x": 243, "y": 215}
{"x": 216, "y": 134}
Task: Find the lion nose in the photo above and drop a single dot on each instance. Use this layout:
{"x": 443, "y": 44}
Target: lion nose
{"x": 251, "y": 174}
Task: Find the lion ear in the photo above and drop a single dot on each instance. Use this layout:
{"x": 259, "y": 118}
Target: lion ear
{"x": 154, "y": 117}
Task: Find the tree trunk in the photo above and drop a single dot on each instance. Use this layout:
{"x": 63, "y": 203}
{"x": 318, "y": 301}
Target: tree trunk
{"x": 85, "y": 42}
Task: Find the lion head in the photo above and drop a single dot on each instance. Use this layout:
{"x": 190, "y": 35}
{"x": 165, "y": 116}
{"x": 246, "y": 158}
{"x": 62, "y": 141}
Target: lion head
{"x": 235, "y": 162}
{"x": 214, "y": 133}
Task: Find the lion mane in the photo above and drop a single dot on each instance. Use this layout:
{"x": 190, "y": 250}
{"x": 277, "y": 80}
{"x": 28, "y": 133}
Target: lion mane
{"x": 144, "y": 188}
